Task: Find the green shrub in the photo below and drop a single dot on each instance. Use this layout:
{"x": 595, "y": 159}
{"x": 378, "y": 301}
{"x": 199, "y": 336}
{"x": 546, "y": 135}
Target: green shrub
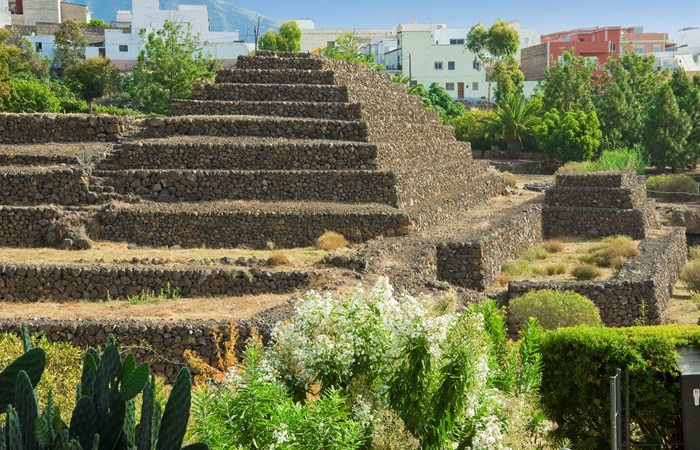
{"x": 553, "y": 309}
{"x": 695, "y": 252}
{"x": 31, "y": 96}
{"x": 617, "y": 160}
{"x": 569, "y": 136}
{"x": 691, "y": 276}
{"x": 578, "y": 364}
{"x": 534, "y": 253}
{"x": 114, "y": 110}
{"x": 553, "y": 246}
{"x": 515, "y": 268}
{"x": 470, "y": 127}
{"x": 571, "y": 166}
{"x": 585, "y": 272}
{"x": 672, "y": 184}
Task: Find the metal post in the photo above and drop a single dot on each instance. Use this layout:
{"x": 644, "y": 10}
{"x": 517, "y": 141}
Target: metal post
{"x": 613, "y": 413}
{"x": 627, "y": 409}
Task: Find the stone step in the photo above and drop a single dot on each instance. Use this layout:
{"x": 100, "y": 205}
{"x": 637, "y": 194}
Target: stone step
{"x": 275, "y": 76}
{"x": 258, "y": 126}
{"x": 270, "y": 62}
{"x": 594, "y": 197}
{"x": 60, "y": 282}
{"x": 594, "y": 222}
{"x": 61, "y": 185}
{"x": 347, "y": 186}
{"x": 243, "y": 153}
{"x": 312, "y": 110}
{"x": 246, "y": 224}
{"x": 279, "y": 54}
{"x": 271, "y": 92}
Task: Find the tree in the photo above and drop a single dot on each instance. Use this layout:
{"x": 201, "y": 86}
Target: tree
{"x": 287, "y": 40}
{"x": 170, "y": 63}
{"x": 568, "y": 84}
{"x": 626, "y": 89}
{"x": 570, "y": 136}
{"x": 492, "y": 45}
{"x": 470, "y": 126}
{"x": 96, "y": 23}
{"x": 666, "y": 132}
{"x": 687, "y": 93}
{"x": 91, "y": 79}
{"x": 27, "y": 94}
{"x": 346, "y": 48}
{"x": 438, "y": 99}
{"x": 17, "y": 56}
{"x": 508, "y": 76}
{"x": 514, "y": 119}
{"x": 70, "y": 44}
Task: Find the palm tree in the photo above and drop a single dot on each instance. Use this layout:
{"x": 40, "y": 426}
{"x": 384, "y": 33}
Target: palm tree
{"x": 513, "y": 119}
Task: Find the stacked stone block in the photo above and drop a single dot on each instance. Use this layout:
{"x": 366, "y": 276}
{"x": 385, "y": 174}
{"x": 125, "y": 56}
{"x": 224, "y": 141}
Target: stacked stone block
{"x": 598, "y": 204}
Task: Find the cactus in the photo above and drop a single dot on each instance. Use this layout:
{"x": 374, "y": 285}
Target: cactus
{"x": 27, "y": 410}
{"x": 177, "y": 412}
{"x": 104, "y": 417}
{"x": 32, "y": 362}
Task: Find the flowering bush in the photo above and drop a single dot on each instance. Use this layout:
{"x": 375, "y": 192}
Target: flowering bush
{"x": 408, "y": 367}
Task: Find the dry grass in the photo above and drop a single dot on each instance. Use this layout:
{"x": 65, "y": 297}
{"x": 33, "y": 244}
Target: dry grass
{"x": 330, "y": 240}
{"x": 502, "y": 279}
{"x": 279, "y": 259}
{"x": 612, "y": 252}
{"x": 586, "y": 272}
{"x": 553, "y": 246}
{"x": 683, "y": 307}
{"x": 510, "y": 180}
{"x": 116, "y": 253}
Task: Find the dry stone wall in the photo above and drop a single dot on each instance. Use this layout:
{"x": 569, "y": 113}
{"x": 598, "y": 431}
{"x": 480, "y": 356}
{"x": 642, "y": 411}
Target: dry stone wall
{"x": 475, "y": 260}
{"x": 40, "y": 128}
{"x": 60, "y": 283}
{"x": 271, "y": 92}
{"x": 41, "y": 185}
{"x": 193, "y": 185}
{"x": 328, "y": 110}
{"x": 251, "y": 227}
{"x": 646, "y": 279}
{"x": 276, "y": 76}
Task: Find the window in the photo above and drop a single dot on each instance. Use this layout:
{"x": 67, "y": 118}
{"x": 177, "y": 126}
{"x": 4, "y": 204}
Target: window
{"x": 613, "y": 46}
{"x": 476, "y": 65}
{"x": 38, "y": 46}
{"x": 475, "y": 86}
{"x": 449, "y": 86}
{"x": 414, "y": 82}
{"x": 657, "y": 48}
{"x": 526, "y": 41}
{"x": 451, "y": 65}
{"x": 639, "y": 49}
{"x": 330, "y": 44}
{"x": 123, "y": 48}
{"x": 102, "y": 52}
{"x": 437, "y": 65}
{"x": 457, "y": 41}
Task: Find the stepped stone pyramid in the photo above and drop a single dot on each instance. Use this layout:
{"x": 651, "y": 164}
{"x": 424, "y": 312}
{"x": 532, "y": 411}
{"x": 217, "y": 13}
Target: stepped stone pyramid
{"x": 598, "y": 204}
{"x": 283, "y": 147}
{"x": 280, "y": 149}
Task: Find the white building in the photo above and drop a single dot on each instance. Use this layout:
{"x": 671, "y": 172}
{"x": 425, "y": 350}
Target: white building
{"x": 685, "y": 55}
{"x": 313, "y": 39}
{"x": 123, "y": 45}
{"x": 435, "y": 53}
{"x": 5, "y": 16}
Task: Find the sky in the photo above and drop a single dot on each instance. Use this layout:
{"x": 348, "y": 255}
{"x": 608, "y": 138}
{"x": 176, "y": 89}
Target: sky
{"x": 546, "y": 16}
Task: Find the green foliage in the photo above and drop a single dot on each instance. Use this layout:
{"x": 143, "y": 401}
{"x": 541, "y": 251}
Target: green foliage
{"x": 492, "y": 45}
{"x": 626, "y": 88}
{"x": 514, "y": 119}
{"x": 346, "y": 48}
{"x": 70, "y": 44}
{"x": 169, "y": 293}
{"x": 508, "y": 77}
{"x": 555, "y": 269}
{"x": 438, "y": 99}
{"x": 687, "y": 95}
{"x": 18, "y": 58}
{"x": 287, "y": 40}
{"x": 553, "y": 309}
{"x": 91, "y": 79}
{"x": 569, "y": 136}
{"x": 621, "y": 159}
{"x": 170, "y": 63}
{"x": 27, "y": 94}
{"x": 579, "y": 362}
{"x": 470, "y": 126}
{"x": 96, "y": 23}
{"x": 567, "y": 85}
{"x": 667, "y": 130}
{"x": 672, "y": 183}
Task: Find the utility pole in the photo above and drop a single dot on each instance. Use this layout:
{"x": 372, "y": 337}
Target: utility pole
{"x": 410, "y": 68}
{"x": 256, "y": 32}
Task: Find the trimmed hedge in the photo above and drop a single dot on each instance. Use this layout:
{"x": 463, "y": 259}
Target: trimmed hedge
{"x": 578, "y": 364}
{"x": 553, "y": 309}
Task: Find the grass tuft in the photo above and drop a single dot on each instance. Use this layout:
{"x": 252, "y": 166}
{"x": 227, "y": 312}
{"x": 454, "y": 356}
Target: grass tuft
{"x": 330, "y": 240}
{"x": 585, "y": 272}
{"x": 555, "y": 269}
{"x": 279, "y": 259}
{"x": 553, "y": 246}
{"x": 510, "y": 179}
